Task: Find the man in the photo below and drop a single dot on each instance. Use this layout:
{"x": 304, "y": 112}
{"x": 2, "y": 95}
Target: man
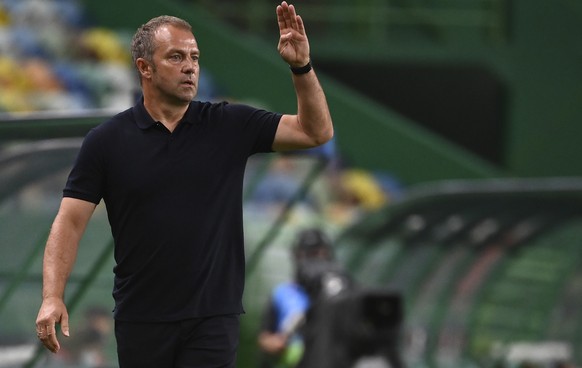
{"x": 170, "y": 171}
{"x": 281, "y": 337}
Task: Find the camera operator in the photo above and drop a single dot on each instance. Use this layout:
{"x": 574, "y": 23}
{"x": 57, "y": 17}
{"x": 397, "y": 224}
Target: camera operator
{"x": 316, "y": 273}
{"x": 323, "y": 320}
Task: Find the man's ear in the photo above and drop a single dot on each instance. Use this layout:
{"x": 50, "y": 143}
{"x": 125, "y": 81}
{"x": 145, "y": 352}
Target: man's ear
{"x": 144, "y": 68}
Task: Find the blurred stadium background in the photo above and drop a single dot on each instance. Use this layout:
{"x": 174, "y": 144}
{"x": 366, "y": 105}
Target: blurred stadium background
{"x": 455, "y": 177}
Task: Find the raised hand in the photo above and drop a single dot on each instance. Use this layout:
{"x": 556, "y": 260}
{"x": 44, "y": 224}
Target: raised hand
{"x": 293, "y": 44}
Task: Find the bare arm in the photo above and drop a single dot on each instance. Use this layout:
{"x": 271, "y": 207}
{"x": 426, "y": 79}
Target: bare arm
{"x": 312, "y": 125}
{"x": 59, "y": 258}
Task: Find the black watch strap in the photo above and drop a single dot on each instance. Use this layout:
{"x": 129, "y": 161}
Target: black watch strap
{"x": 302, "y": 70}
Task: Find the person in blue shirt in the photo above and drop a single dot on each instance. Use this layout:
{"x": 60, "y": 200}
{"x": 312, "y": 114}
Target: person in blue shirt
{"x": 280, "y": 337}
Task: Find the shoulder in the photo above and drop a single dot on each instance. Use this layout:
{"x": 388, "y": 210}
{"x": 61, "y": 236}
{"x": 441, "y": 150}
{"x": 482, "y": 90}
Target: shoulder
{"x": 221, "y": 107}
{"x": 106, "y": 132}
{"x": 228, "y": 108}
{"x": 113, "y": 121}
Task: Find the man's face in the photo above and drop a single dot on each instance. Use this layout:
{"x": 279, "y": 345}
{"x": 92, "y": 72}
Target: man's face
{"x": 320, "y": 253}
{"x": 175, "y": 68}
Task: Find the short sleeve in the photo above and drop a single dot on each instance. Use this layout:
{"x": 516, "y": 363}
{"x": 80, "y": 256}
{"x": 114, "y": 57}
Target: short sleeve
{"x": 86, "y": 178}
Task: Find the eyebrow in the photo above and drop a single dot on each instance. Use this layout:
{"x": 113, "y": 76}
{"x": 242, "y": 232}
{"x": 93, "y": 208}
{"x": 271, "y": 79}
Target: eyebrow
{"x": 182, "y": 51}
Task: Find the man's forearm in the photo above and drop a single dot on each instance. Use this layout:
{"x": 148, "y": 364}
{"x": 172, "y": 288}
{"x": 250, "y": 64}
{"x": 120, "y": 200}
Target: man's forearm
{"x": 59, "y": 258}
{"x": 312, "y": 109}
{"x": 312, "y": 125}
{"x": 62, "y": 244}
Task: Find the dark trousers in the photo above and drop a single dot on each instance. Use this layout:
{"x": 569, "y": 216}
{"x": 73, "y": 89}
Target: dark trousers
{"x": 194, "y": 343}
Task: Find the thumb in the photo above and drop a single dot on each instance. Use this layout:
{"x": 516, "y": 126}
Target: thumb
{"x": 65, "y": 324}
{"x": 286, "y": 36}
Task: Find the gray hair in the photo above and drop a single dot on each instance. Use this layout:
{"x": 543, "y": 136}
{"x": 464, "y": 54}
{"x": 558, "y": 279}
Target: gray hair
{"x": 143, "y": 43}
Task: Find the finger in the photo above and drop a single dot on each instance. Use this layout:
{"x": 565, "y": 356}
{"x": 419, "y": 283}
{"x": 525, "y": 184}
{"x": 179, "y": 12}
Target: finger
{"x": 52, "y": 338}
{"x": 48, "y": 338}
{"x": 51, "y": 329}
{"x": 52, "y": 343}
{"x": 40, "y": 331}
{"x": 280, "y": 18}
{"x": 292, "y": 17}
{"x": 300, "y": 25}
{"x": 286, "y": 14}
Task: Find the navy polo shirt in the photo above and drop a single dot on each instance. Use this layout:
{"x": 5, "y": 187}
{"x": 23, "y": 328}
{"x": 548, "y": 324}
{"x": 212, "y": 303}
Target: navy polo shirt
{"x": 174, "y": 203}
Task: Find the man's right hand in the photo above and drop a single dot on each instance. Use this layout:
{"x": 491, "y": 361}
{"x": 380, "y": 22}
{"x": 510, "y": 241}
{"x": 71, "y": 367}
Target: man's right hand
{"x": 52, "y": 311}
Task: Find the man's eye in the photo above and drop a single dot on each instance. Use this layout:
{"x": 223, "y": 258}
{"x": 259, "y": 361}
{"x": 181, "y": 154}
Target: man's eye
{"x": 176, "y": 57}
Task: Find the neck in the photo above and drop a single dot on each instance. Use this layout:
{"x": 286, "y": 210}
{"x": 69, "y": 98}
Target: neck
{"x": 164, "y": 112}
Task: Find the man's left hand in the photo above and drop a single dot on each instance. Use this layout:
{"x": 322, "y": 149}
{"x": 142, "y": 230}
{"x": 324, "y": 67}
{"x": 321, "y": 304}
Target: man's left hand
{"x": 293, "y": 44}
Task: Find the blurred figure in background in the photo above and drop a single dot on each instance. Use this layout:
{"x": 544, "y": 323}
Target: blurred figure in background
{"x": 88, "y": 347}
{"x": 280, "y": 337}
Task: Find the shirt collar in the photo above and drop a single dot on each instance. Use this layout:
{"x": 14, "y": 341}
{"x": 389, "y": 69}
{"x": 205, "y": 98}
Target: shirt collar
{"x": 145, "y": 121}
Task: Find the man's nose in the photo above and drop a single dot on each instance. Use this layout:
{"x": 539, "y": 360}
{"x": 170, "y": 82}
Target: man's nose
{"x": 189, "y": 66}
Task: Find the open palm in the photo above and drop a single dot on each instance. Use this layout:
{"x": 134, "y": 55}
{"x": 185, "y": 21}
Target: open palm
{"x": 293, "y": 44}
